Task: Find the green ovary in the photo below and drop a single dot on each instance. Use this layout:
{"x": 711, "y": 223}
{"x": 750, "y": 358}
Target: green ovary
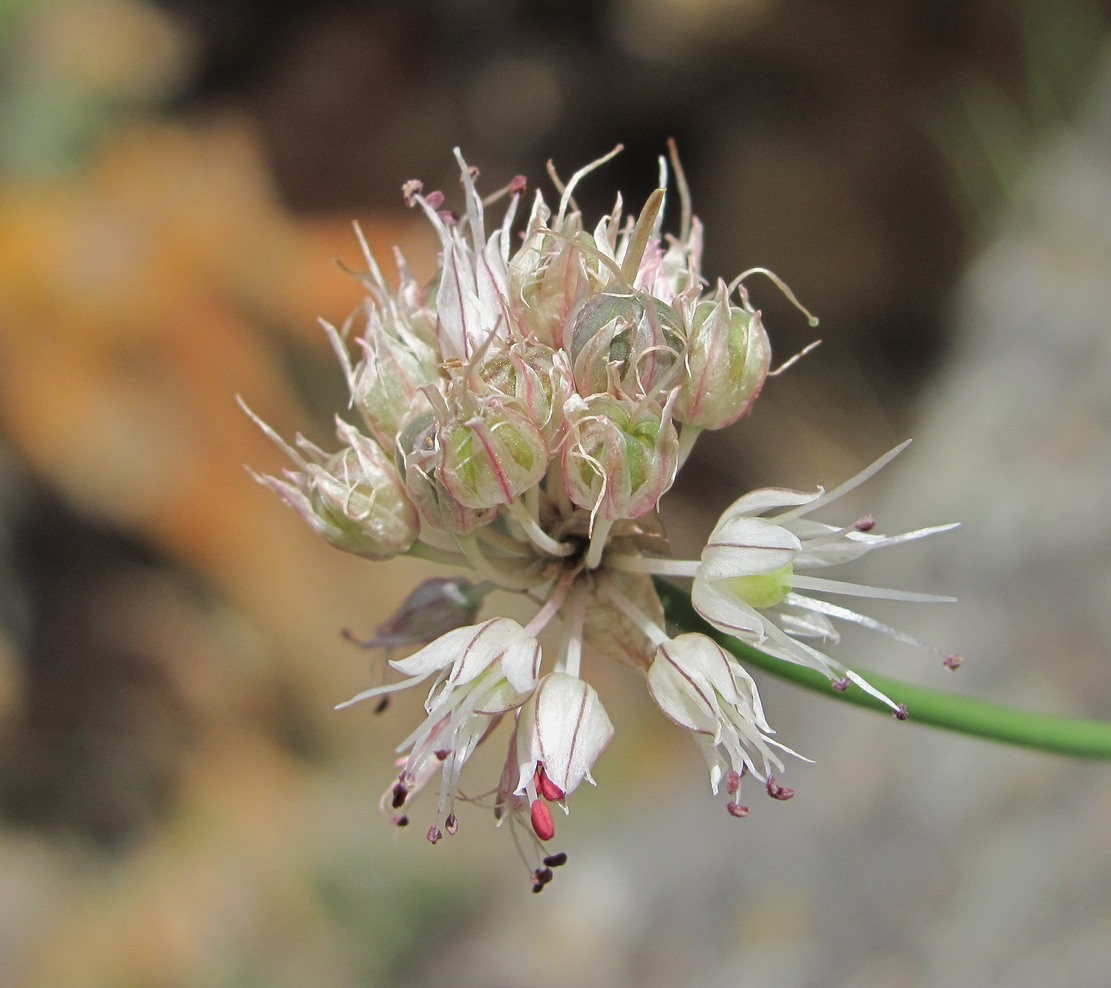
{"x": 764, "y": 590}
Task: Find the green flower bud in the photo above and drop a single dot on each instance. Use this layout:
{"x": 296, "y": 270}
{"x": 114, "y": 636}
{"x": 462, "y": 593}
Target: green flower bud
{"x": 630, "y": 344}
{"x": 354, "y": 499}
{"x": 492, "y": 457}
{"x": 386, "y": 383}
{"x": 548, "y": 279}
{"x": 620, "y": 455}
{"x": 728, "y": 355}
{"x": 537, "y": 380}
{"x": 418, "y": 443}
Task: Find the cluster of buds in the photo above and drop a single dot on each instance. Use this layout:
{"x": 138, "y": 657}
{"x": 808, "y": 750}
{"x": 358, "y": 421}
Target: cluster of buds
{"x": 521, "y": 416}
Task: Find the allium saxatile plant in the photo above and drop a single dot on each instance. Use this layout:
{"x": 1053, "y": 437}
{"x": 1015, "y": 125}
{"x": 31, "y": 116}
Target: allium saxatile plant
{"x": 521, "y": 416}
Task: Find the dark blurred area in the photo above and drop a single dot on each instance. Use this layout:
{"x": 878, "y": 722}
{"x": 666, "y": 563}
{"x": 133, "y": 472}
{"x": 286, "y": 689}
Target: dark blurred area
{"x": 178, "y": 804}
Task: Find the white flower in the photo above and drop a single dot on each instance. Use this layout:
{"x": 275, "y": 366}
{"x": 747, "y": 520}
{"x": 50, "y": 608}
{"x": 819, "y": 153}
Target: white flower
{"x": 561, "y": 731}
{"x": 527, "y": 409}
{"x": 483, "y": 671}
{"x": 753, "y": 567}
{"x": 701, "y": 687}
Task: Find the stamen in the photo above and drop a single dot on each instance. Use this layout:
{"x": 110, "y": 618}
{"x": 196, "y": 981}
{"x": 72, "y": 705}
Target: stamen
{"x": 542, "y": 823}
{"x": 434, "y": 834}
{"x": 735, "y": 809}
{"x": 781, "y": 285}
{"x": 548, "y": 789}
{"x": 901, "y": 712}
{"x": 776, "y": 791}
{"x": 539, "y": 538}
{"x": 953, "y": 662}
{"x": 556, "y": 860}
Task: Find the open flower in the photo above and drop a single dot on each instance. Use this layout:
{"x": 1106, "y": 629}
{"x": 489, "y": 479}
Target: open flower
{"x": 527, "y": 409}
{"x": 701, "y": 687}
{"x": 754, "y": 565}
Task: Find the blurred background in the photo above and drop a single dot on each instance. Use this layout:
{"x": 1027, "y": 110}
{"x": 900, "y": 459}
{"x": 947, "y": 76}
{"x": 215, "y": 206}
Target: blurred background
{"x": 179, "y": 805}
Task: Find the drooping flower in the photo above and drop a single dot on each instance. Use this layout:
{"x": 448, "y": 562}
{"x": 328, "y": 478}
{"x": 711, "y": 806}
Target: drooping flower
{"x": 521, "y": 416}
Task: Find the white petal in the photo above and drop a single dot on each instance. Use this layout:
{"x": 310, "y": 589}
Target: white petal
{"x": 758, "y": 501}
{"x": 747, "y": 547}
{"x": 572, "y": 729}
{"x": 685, "y": 698}
{"x": 725, "y": 612}
{"x": 467, "y": 650}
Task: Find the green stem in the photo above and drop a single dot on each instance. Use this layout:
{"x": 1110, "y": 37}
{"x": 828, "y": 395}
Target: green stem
{"x": 1060, "y": 735}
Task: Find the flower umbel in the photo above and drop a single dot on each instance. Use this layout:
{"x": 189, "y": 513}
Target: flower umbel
{"x": 521, "y": 416}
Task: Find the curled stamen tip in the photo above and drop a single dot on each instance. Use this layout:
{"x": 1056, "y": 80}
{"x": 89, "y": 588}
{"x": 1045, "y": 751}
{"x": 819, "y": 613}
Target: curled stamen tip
{"x": 518, "y": 186}
{"x": 901, "y": 712}
{"x": 953, "y": 661}
{"x": 736, "y": 810}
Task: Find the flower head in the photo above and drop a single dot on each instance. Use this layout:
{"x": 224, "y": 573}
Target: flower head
{"x": 521, "y": 416}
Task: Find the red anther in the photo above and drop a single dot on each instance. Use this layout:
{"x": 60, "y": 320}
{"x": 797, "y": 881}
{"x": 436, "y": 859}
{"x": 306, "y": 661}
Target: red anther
{"x": 776, "y": 791}
{"x": 543, "y": 875}
{"x": 840, "y": 685}
{"x": 548, "y": 789}
{"x": 434, "y": 835}
{"x": 401, "y": 821}
{"x": 536, "y": 886}
{"x": 442, "y": 754}
{"x": 542, "y": 823}
{"x": 735, "y": 809}
{"x": 400, "y": 791}
{"x": 901, "y": 712}
{"x": 865, "y": 524}
{"x": 451, "y": 825}
{"x": 732, "y": 782}
{"x": 518, "y": 186}
{"x": 953, "y": 661}
{"x": 555, "y": 860}
{"x": 434, "y": 199}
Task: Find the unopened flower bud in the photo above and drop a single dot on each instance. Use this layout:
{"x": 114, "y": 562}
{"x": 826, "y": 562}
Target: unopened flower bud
{"x": 620, "y": 456}
{"x": 631, "y": 341}
{"x": 437, "y": 606}
{"x": 538, "y": 380}
{"x": 728, "y": 355}
{"x": 492, "y": 457}
{"x": 355, "y": 498}
{"x": 548, "y": 279}
{"x": 418, "y": 444}
{"x": 359, "y": 502}
{"x": 386, "y": 383}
